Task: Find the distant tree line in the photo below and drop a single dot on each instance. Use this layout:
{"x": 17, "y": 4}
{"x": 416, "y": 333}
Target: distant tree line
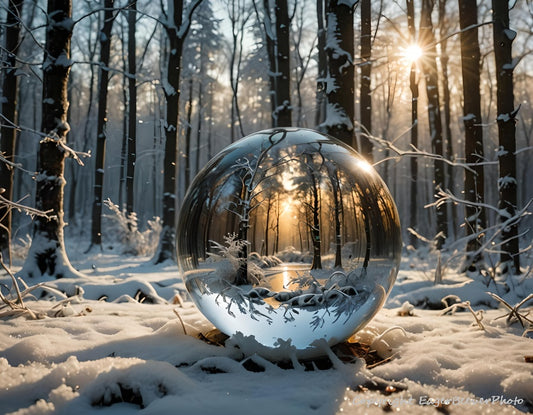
{"x": 152, "y": 91}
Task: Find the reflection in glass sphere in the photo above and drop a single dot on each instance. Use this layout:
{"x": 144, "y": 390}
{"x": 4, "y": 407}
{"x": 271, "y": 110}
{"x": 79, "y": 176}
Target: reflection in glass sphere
{"x": 288, "y": 234}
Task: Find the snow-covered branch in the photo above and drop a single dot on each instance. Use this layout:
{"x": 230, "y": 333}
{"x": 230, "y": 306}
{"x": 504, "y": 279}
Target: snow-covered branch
{"x": 445, "y": 196}
{"x": 22, "y": 208}
{"x": 413, "y": 152}
{"x": 9, "y": 163}
{"x": 76, "y": 155}
{"x": 492, "y": 233}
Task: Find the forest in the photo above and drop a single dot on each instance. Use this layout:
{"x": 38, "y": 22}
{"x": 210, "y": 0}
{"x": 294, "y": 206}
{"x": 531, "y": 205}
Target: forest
{"x": 267, "y": 206}
{"x": 145, "y": 94}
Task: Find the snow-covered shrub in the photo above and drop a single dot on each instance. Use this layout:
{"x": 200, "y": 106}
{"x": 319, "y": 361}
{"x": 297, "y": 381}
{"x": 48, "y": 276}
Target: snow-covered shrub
{"x": 20, "y": 249}
{"x": 123, "y": 228}
{"x": 291, "y": 254}
{"x": 229, "y": 261}
{"x": 263, "y": 261}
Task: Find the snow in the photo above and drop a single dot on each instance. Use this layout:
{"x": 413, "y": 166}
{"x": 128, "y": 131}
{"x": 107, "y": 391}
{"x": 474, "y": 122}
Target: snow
{"x": 118, "y": 356}
{"x": 335, "y": 115}
{"x": 63, "y": 60}
{"x": 512, "y": 65}
{"x": 504, "y": 182}
{"x": 511, "y": 34}
{"x": 503, "y": 117}
{"x": 169, "y": 89}
{"x": 333, "y": 41}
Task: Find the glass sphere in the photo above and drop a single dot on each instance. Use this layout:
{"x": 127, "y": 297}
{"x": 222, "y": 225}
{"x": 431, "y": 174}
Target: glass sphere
{"x": 289, "y": 235}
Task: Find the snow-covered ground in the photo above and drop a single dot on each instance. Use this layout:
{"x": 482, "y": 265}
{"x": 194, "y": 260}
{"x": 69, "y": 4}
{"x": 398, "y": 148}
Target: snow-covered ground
{"x": 102, "y": 352}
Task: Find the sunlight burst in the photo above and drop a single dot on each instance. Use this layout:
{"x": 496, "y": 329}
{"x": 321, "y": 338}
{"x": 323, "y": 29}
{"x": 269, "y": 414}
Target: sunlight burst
{"x": 412, "y": 52}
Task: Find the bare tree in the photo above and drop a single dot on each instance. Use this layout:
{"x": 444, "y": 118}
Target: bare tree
{"x": 251, "y": 173}
{"x": 125, "y": 112}
{"x": 312, "y": 198}
{"x": 321, "y": 99}
{"x": 446, "y": 104}
{"x": 474, "y": 177}
{"x": 276, "y": 29}
{"x": 302, "y": 60}
{"x": 365, "y": 99}
{"x": 177, "y": 27}
{"x": 282, "y": 116}
{"x": 340, "y": 81}
{"x": 427, "y": 38}
{"x": 132, "y": 107}
{"x": 101, "y": 133}
{"x": 8, "y": 131}
{"x": 413, "y": 86}
{"x": 47, "y": 255}
{"x": 239, "y": 14}
{"x": 188, "y": 133}
{"x": 503, "y": 38}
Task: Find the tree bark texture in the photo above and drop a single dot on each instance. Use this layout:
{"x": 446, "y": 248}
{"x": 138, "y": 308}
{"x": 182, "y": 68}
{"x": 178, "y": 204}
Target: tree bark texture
{"x": 474, "y": 179}
{"x": 340, "y": 52}
{"x": 99, "y": 167}
{"x": 365, "y": 99}
{"x": 282, "y": 116}
{"x": 427, "y": 38}
{"x": 8, "y": 132}
{"x": 176, "y": 33}
{"x": 188, "y": 132}
{"x": 447, "y": 131}
{"x": 503, "y": 39}
{"x": 413, "y": 161}
{"x": 47, "y": 254}
{"x": 132, "y": 106}
{"x": 321, "y": 100}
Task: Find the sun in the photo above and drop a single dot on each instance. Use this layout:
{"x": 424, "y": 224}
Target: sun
{"x": 412, "y": 53}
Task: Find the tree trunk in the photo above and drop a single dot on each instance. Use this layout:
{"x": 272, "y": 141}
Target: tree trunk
{"x": 314, "y": 208}
{"x": 435, "y": 124}
{"x": 447, "y": 131}
{"x": 8, "y": 132}
{"x": 200, "y": 111}
{"x": 267, "y": 224}
{"x": 176, "y": 32}
{"x": 188, "y": 132}
{"x": 125, "y": 112}
{"x": 99, "y": 166}
{"x": 340, "y": 50}
{"x": 413, "y": 166}
{"x": 238, "y": 16}
{"x": 503, "y": 40}
{"x": 47, "y": 255}
{"x": 132, "y": 116}
{"x": 365, "y": 106}
{"x": 474, "y": 180}
{"x": 282, "y": 116}
{"x": 337, "y": 213}
{"x": 321, "y": 99}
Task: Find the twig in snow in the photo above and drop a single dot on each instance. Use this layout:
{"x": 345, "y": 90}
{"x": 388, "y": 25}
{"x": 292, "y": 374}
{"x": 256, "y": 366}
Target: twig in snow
{"x": 514, "y": 314}
{"x": 381, "y": 362}
{"x": 181, "y": 321}
{"x": 17, "y": 306}
{"x": 478, "y": 316}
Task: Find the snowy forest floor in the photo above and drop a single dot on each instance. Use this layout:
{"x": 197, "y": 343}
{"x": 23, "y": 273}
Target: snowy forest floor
{"x": 101, "y": 351}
